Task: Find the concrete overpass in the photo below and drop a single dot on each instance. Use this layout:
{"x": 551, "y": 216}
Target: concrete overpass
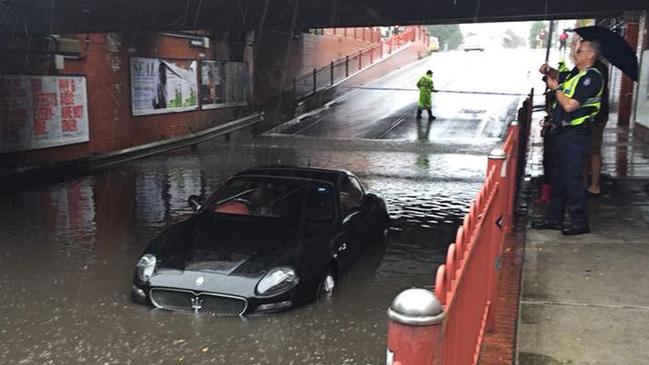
{"x": 81, "y": 16}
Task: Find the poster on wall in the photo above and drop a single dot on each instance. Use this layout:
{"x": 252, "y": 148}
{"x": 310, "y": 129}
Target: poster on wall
{"x": 642, "y": 103}
{"x": 162, "y": 86}
{"x": 223, "y": 84}
{"x": 42, "y": 111}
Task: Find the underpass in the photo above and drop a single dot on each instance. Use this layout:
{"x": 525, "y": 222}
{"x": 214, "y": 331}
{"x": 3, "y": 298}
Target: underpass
{"x": 472, "y": 104}
{"x": 71, "y": 246}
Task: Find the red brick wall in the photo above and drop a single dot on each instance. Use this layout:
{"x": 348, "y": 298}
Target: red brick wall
{"x": 304, "y": 54}
{"x": 111, "y": 125}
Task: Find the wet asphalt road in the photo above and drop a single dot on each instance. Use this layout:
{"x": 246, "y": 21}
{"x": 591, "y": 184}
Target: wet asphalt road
{"x": 69, "y": 249}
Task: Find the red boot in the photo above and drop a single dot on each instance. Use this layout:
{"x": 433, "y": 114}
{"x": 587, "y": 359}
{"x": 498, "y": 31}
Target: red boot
{"x": 544, "y": 194}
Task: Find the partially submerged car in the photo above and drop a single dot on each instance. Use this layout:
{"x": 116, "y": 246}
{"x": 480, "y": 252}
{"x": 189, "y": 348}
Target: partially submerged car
{"x": 267, "y": 240}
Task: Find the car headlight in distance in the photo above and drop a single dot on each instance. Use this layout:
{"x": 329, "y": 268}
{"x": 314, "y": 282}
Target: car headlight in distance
{"x": 145, "y": 267}
{"x": 277, "y": 281}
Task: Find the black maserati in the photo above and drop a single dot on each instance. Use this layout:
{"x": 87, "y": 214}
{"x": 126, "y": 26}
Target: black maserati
{"x": 268, "y": 239}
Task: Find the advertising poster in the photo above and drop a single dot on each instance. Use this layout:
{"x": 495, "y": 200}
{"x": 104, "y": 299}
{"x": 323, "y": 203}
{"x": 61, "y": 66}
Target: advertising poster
{"x": 42, "y": 111}
{"x": 160, "y": 86}
{"x": 642, "y": 104}
{"x": 212, "y": 88}
{"x": 223, "y": 84}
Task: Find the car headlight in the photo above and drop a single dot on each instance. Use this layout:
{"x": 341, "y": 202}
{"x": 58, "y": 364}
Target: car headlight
{"x": 277, "y": 281}
{"x": 145, "y": 267}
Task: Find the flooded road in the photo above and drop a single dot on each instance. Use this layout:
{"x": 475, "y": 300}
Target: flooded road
{"x": 69, "y": 250}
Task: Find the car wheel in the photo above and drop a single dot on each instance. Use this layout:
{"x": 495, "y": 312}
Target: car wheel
{"x": 327, "y": 285}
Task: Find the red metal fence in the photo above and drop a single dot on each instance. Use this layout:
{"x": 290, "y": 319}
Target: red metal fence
{"x": 323, "y": 77}
{"x": 466, "y": 285}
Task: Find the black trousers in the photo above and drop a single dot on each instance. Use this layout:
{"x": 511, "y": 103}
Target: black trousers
{"x": 571, "y": 147}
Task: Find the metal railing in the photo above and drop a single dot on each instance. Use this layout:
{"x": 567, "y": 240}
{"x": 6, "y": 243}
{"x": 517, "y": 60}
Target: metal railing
{"x": 326, "y": 76}
{"x": 463, "y": 303}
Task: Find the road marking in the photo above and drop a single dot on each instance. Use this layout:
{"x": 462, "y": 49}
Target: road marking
{"x": 392, "y": 126}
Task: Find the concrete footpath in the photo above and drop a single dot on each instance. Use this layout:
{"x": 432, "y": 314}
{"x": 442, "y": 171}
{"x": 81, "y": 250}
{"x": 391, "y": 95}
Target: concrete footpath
{"x": 585, "y": 299}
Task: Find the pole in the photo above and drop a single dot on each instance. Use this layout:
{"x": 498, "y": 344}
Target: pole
{"x": 495, "y": 233}
{"x": 346, "y": 66}
{"x": 360, "y": 60}
{"x": 549, "y": 40}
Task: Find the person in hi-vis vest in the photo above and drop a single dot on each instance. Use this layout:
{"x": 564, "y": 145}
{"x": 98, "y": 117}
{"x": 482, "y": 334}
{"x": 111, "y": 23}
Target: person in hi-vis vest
{"x": 426, "y": 87}
{"x": 577, "y": 101}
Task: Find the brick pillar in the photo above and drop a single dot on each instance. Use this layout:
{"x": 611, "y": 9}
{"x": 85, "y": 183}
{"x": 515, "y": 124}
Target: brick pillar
{"x": 626, "y": 86}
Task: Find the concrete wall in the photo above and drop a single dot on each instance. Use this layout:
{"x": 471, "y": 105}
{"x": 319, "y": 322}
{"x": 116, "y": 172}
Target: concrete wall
{"x": 105, "y": 64}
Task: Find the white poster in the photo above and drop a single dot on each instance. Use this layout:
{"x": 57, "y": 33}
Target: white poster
{"x": 642, "y": 104}
{"x": 223, "y": 84}
{"x": 159, "y": 86}
{"x": 42, "y": 111}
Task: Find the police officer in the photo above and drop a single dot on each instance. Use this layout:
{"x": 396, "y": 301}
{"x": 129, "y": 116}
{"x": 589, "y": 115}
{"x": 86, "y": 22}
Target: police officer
{"x": 578, "y": 100}
{"x": 426, "y": 87}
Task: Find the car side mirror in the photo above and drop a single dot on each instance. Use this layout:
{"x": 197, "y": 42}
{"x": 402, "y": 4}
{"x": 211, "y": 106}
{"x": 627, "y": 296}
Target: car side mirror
{"x": 195, "y": 202}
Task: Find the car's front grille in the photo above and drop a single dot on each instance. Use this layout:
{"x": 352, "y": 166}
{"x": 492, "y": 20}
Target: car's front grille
{"x": 183, "y": 300}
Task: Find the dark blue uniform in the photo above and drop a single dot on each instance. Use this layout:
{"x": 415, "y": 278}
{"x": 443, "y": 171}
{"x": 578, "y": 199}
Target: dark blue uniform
{"x": 571, "y": 147}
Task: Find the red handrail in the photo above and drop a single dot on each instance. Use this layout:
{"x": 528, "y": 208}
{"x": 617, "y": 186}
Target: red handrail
{"x": 466, "y": 285}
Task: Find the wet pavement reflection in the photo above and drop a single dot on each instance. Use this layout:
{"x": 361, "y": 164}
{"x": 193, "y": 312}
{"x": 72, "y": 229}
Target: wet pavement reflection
{"x": 69, "y": 250}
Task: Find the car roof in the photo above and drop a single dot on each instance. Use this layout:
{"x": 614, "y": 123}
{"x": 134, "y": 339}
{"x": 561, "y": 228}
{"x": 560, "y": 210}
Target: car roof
{"x": 314, "y": 173}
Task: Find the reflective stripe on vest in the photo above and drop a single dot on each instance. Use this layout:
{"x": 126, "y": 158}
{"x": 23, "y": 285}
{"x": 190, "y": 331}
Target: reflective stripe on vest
{"x": 569, "y": 87}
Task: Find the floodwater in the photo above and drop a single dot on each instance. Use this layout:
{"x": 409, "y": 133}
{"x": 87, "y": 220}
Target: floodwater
{"x": 69, "y": 250}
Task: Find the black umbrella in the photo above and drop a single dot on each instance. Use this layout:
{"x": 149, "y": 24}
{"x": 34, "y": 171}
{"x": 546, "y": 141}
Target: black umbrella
{"x": 614, "y": 48}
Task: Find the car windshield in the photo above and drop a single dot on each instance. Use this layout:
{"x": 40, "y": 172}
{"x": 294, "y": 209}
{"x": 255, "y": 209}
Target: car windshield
{"x": 285, "y": 198}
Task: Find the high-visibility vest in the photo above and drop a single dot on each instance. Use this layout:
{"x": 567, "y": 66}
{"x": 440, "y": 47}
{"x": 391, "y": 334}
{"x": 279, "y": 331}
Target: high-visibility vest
{"x": 562, "y": 66}
{"x": 426, "y": 83}
{"x": 569, "y": 85}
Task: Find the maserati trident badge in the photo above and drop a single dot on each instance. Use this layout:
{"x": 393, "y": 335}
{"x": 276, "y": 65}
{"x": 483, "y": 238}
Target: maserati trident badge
{"x": 197, "y": 304}
{"x": 200, "y": 280}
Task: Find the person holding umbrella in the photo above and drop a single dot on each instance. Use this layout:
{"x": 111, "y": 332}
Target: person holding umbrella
{"x": 578, "y": 100}
{"x": 616, "y": 50}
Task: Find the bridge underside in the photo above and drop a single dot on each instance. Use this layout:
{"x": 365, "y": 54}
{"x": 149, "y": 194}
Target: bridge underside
{"x": 81, "y": 16}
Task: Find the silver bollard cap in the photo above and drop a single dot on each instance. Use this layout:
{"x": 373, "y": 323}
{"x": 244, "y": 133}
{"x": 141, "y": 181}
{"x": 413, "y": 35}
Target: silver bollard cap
{"x": 416, "y": 307}
{"x": 497, "y": 154}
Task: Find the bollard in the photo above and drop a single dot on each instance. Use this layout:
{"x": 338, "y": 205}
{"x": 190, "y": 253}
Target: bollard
{"x": 414, "y": 328}
{"x": 495, "y": 233}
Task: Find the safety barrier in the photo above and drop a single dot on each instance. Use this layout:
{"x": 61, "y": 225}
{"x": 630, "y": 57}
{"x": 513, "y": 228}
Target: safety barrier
{"x": 324, "y": 77}
{"x": 453, "y": 321}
